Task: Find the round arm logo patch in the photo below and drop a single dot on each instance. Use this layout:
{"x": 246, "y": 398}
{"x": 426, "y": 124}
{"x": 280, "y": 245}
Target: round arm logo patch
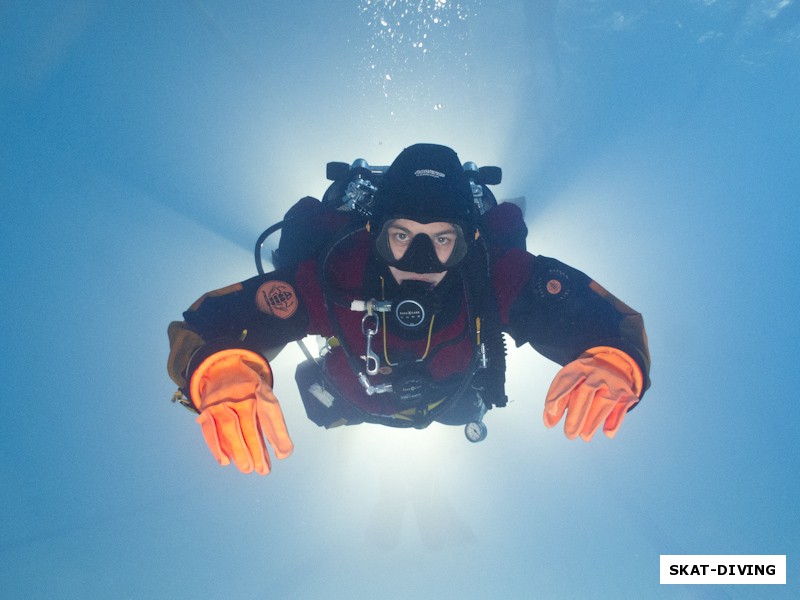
{"x": 277, "y": 299}
{"x": 554, "y": 284}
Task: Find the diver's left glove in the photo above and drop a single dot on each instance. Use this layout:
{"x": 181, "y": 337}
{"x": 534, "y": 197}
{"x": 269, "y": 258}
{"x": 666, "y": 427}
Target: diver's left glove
{"x": 597, "y": 389}
{"x": 232, "y": 389}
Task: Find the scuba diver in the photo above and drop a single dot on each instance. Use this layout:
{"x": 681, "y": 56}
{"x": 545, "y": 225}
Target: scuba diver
{"x": 411, "y": 274}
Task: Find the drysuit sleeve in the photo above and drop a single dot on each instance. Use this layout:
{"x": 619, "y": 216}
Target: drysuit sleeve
{"x": 261, "y": 314}
{"x": 562, "y": 313}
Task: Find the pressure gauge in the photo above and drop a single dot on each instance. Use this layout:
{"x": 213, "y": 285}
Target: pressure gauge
{"x": 476, "y": 431}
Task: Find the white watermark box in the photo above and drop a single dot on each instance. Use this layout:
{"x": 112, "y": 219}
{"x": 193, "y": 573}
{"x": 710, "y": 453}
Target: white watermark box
{"x": 723, "y": 569}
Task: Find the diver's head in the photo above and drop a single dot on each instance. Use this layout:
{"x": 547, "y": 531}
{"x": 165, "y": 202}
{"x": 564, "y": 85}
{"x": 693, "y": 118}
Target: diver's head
{"x": 424, "y": 216}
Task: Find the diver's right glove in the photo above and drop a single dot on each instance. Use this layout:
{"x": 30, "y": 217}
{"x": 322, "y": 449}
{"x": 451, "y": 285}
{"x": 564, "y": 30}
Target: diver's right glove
{"x": 232, "y": 389}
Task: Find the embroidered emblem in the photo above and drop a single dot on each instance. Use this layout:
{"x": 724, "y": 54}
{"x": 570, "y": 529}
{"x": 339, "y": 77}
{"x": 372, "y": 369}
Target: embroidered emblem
{"x": 277, "y": 298}
{"x": 554, "y": 284}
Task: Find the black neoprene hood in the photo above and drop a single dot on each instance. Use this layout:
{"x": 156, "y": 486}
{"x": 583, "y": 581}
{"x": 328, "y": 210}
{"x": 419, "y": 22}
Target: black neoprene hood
{"x": 426, "y": 183}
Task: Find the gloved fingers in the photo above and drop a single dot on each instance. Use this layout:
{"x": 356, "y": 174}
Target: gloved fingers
{"x": 230, "y": 436}
{"x": 273, "y": 425}
{"x": 554, "y": 409}
{"x": 616, "y": 416}
{"x": 247, "y": 413}
{"x": 559, "y": 395}
{"x": 602, "y": 406}
{"x": 209, "y": 428}
{"x": 580, "y": 403}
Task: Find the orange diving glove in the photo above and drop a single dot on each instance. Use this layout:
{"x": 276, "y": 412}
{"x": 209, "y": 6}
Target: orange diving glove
{"x": 232, "y": 389}
{"x": 596, "y": 389}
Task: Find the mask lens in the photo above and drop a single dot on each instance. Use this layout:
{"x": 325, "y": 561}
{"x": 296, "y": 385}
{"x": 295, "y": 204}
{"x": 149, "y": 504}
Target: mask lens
{"x": 421, "y": 252}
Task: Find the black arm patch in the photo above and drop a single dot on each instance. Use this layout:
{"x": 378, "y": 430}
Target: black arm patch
{"x": 266, "y": 311}
{"x": 560, "y": 315}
